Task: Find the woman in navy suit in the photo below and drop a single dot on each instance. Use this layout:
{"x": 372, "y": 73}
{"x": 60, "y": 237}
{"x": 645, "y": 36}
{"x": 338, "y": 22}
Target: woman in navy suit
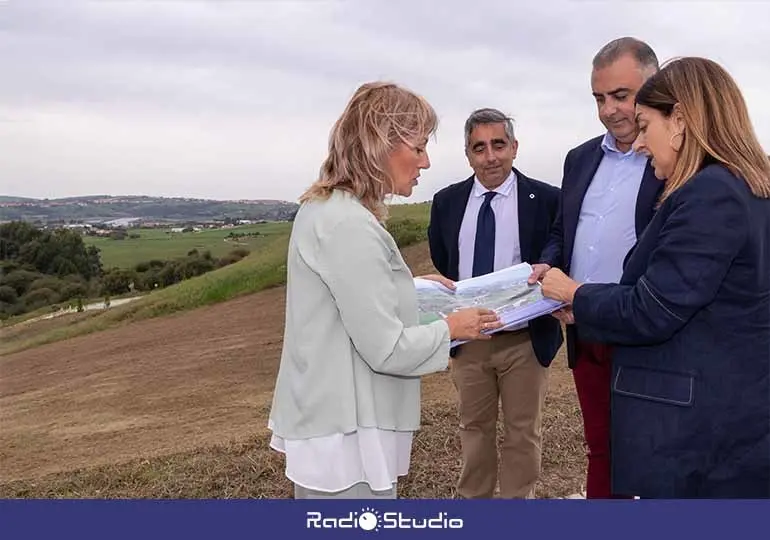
{"x": 691, "y": 316}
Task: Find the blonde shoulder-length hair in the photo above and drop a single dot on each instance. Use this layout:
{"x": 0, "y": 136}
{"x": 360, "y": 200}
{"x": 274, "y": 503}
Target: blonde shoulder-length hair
{"x": 378, "y": 117}
{"x": 716, "y": 121}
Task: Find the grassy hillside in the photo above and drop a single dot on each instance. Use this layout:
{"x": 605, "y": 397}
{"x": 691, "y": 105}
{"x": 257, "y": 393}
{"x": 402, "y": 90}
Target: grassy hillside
{"x": 266, "y": 267}
{"x": 99, "y": 208}
{"x": 162, "y": 244}
{"x": 417, "y": 212}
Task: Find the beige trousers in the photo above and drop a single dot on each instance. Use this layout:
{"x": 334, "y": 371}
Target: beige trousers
{"x": 503, "y": 370}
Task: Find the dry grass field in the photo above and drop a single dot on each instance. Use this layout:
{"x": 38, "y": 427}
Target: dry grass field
{"x": 177, "y": 406}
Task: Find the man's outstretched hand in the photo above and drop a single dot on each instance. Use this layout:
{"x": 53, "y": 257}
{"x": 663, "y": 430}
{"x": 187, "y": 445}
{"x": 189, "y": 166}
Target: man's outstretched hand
{"x": 438, "y": 278}
{"x": 538, "y": 273}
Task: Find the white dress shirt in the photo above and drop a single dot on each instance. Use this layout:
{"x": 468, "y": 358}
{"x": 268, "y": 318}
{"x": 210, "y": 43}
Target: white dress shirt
{"x": 377, "y": 457}
{"x": 505, "y": 206}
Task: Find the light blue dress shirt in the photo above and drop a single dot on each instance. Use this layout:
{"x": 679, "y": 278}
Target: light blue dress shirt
{"x": 606, "y": 228}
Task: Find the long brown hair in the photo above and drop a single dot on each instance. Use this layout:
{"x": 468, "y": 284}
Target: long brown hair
{"x": 379, "y": 116}
{"x": 717, "y": 124}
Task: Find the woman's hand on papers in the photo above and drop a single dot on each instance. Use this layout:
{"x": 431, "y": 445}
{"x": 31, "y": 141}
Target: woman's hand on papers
{"x": 558, "y": 286}
{"x": 446, "y": 282}
{"x": 471, "y": 323}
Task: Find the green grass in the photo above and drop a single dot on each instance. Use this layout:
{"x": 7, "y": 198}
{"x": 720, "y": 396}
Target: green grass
{"x": 264, "y": 268}
{"x": 162, "y": 244}
{"x": 252, "y": 274}
{"x": 417, "y": 212}
{"x": 408, "y": 223}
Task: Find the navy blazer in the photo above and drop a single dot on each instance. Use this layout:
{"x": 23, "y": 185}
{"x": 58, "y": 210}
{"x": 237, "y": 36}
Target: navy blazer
{"x": 537, "y": 205}
{"x": 690, "y": 325}
{"x": 580, "y": 167}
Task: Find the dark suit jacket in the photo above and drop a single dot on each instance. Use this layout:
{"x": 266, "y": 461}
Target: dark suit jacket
{"x": 537, "y": 204}
{"x": 690, "y": 325}
{"x": 580, "y": 166}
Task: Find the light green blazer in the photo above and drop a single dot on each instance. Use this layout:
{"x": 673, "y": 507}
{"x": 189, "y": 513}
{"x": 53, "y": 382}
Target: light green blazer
{"x": 353, "y": 350}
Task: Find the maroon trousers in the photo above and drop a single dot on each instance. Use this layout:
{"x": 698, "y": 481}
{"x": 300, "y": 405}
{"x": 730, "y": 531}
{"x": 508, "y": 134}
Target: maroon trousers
{"x": 592, "y": 374}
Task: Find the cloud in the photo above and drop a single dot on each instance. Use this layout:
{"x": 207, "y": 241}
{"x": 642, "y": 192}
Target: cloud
{"x": 235, "y": 99}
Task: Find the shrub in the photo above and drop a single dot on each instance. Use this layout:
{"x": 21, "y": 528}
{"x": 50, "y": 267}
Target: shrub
{"x": 407, "y": 231}
{"x": 8, "y": 294}
{"x": 39, "y": 298}
{"x": 47, "y": 282}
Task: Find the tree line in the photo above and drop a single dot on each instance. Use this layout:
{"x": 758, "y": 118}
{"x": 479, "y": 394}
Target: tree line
{"x": 41, "y": 267}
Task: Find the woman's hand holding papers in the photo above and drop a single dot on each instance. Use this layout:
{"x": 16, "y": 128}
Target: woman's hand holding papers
{"x": 471, "y": 323}
{"x": 558, "y": 286}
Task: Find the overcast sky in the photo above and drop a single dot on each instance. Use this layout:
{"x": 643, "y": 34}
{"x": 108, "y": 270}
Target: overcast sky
{"x": 235, "y": 99}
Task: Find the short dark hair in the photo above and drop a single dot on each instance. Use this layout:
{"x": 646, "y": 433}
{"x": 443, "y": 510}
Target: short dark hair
{"x": 488, "y": 116}
{"x": 616, "y": 48}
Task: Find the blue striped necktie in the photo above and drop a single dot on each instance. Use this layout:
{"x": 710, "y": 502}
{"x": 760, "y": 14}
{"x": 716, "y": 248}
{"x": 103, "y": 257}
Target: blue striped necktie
{"x": 484, "y": 249}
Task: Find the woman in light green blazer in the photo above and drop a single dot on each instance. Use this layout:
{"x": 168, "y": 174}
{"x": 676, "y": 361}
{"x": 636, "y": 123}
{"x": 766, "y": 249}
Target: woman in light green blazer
{"x": 347, "y": 397}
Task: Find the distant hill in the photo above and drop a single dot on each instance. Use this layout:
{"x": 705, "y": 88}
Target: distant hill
{"x": 6, "y": 199}
{"x": 102, "y": 208}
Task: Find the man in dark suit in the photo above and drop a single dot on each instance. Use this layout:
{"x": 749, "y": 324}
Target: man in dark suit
{"x": 495, "y": 219}
{"x": 608, "y": 197}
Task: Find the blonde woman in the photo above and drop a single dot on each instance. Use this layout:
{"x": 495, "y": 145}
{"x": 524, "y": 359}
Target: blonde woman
{"x": 347, "y": 397}
{"x": 690, "y": 317}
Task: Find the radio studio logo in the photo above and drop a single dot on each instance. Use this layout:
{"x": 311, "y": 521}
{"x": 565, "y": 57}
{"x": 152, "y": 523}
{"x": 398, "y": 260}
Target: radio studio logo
{"x": 370, "y": 519}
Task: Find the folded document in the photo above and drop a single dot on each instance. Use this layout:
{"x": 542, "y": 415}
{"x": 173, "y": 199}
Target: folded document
{"x": 506, "y": 292}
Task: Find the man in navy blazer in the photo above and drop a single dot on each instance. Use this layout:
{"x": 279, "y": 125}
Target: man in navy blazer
{"x": 608, "y": 196}
{"x": 495, "y": 219}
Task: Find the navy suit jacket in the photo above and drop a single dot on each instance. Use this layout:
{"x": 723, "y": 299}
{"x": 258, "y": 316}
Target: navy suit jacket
{"x": 537, "y": 205}
{"x": 690, "y": 328}
{"x": 580, "y": 167}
